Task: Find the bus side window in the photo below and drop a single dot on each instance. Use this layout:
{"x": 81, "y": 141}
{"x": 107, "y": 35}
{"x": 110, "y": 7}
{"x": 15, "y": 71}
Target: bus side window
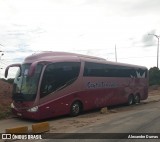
{"x": 58, "y": 75}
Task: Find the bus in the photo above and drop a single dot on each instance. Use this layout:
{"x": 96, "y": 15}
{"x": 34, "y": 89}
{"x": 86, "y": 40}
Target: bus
{"x": 50, "y": 84}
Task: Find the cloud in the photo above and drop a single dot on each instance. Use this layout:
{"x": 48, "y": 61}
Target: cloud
{"x": 144, "y": 40}
{"x": 18, "y": 38}
{"x": 128, "y": 7}
{"x": 149, "y": 40}
{"x": 87, "y": 26}
{"x": 147, "y": 6}
{"x": 20, "y": 35}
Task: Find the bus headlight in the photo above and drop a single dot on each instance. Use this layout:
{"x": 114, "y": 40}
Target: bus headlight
{"x": 33, "y": 109}
{"x": 12, "y": 105}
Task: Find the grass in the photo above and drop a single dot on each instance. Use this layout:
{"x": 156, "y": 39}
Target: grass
{"x": 5, "y": 112}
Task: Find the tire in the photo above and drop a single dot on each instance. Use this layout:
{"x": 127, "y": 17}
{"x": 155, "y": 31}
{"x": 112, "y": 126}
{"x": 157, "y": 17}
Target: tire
{"x": 130, "y": 100}
{"x": 75, "y": 109}
{"x": 136, "y": 99}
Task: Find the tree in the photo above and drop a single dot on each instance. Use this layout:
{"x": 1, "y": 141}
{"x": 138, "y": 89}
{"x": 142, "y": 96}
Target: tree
{"x": 154, "y": 76}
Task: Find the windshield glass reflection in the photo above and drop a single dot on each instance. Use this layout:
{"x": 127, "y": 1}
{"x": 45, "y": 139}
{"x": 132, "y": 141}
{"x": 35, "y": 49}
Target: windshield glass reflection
{"x": 25, "y": 87}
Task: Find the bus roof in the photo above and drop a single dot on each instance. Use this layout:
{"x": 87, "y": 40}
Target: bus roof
{"x": 126, "y": 65}
{"x": 51, "y": 56}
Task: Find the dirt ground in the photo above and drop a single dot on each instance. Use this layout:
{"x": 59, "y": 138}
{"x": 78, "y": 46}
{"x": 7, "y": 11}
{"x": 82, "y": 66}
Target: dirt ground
{"x": 5, "y": 99}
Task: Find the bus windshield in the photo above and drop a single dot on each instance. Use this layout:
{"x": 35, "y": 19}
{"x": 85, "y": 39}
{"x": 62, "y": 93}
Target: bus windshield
{"x": 25, "y": 86}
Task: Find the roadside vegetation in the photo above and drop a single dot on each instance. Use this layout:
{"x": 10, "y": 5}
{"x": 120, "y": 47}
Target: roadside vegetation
{"x": 10, "y": 80}
{"x": 154, "y": 76}
{"x": 5, "y": 112}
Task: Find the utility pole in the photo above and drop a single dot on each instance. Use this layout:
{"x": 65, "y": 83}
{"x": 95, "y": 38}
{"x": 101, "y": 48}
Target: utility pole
{"x": 157, "y": 47}
{"x": 0, "y": 72}
{"x": 115, "y": 53}
{"x": 1, "y": 45}
{"x": 0, "y": 62}
{"x": 0, "y": 59}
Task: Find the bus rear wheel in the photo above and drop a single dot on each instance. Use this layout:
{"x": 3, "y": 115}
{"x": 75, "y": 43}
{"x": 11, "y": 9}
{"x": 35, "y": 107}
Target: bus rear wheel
{"x": 75, "y": 108}
{"x": 130, "y": 100}
{"x": 136, "y": 99}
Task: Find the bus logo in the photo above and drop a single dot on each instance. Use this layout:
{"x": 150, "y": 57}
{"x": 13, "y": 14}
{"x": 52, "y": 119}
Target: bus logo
{"x": 6, "y": 136}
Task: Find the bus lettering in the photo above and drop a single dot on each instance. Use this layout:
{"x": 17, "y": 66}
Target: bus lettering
{"x": 96, "y": 85}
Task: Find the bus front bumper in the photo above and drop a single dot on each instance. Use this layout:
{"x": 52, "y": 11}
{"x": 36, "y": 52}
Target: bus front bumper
{"x": 25, "y": 113}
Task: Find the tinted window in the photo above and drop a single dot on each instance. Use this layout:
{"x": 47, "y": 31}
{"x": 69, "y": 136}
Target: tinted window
{"x": 25, "y": 87}
{"x": 59, "y": 75}
{"x": 107, "y": 70}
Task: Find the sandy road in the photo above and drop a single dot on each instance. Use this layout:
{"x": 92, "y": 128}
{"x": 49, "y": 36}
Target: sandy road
{"x": 138, "y": 120}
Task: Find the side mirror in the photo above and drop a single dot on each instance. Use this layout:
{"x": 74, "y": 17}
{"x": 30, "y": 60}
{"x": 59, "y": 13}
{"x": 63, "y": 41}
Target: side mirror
{"x": 13, "y": 65}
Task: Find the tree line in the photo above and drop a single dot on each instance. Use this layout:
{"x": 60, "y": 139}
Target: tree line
{"x": 154, "y": 76}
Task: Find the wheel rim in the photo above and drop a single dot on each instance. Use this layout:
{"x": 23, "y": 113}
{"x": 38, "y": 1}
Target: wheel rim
{"x": 75, "y": 108}
{"x": 137, "y": 99}
{"x": 130, "y": 100}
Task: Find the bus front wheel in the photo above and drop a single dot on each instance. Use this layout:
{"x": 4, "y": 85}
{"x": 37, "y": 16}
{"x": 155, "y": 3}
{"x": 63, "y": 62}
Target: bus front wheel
{"x": 130, "y": 100}
{"x": 75, "y": 108}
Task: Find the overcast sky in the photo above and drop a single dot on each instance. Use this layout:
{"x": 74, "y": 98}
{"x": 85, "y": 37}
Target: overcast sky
{"x": 91, "y": 27}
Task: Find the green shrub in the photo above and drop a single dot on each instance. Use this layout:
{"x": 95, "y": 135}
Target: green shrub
{"x": 154, "y": 76}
